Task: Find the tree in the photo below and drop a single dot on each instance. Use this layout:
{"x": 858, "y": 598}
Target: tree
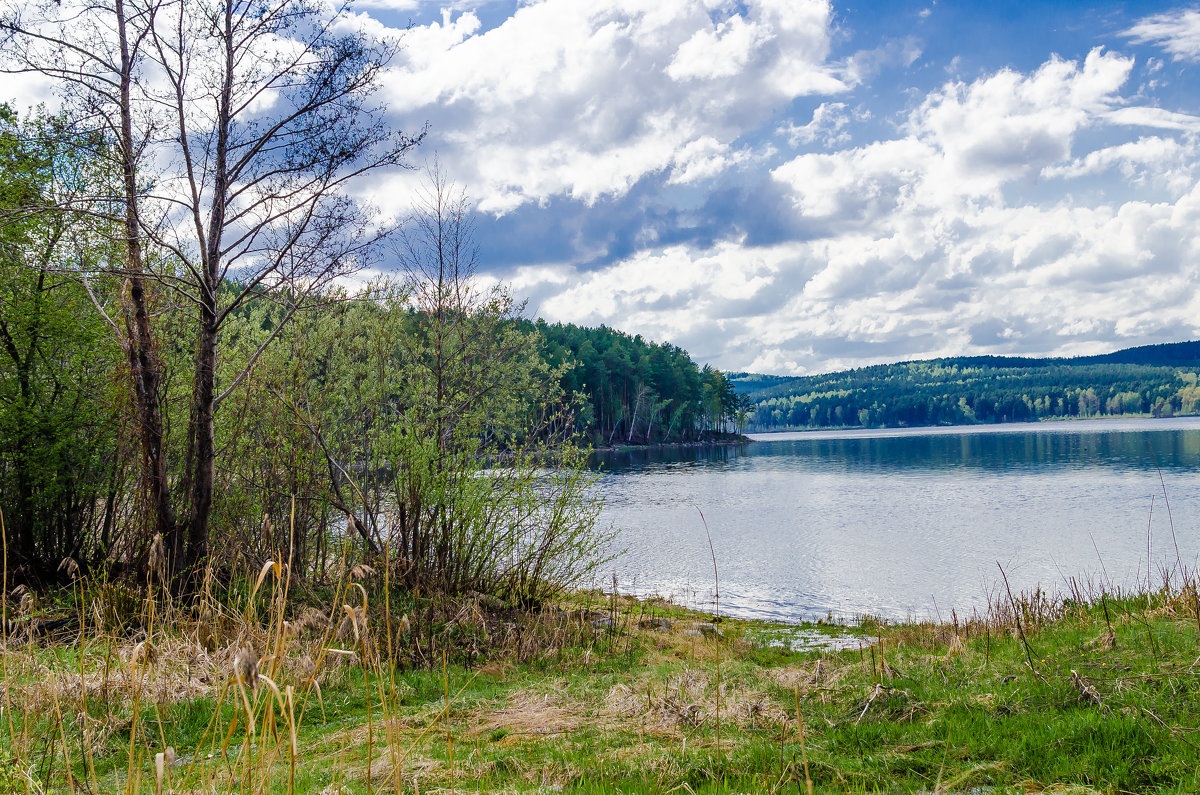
{"x": 719, "y": 399}
{"x": 315, "y": 423}
{"x": 58, "y": 437}
{"x": 491, "y": 493}
{"x": 238, "y": 128}
{"x": 651, "y": 392}
{"x": 469, "y": 361}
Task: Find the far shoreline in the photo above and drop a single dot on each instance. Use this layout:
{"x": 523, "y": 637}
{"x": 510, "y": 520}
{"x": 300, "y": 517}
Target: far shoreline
{"x": 1048, "y": 424}
{"x": 725, "y": 439}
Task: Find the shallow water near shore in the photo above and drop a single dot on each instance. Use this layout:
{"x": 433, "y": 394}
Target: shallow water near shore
{"x": 905, "y": 523}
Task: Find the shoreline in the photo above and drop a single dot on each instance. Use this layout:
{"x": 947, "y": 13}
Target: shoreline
{"x": 725, "y": 440}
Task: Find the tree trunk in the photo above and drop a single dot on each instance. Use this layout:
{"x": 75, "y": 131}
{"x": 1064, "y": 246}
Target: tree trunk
{"x": 143, "y": 362}
{"x": 204, "y": 453}
{"x": 637, "y": 405}
{"x": 21, "y": 522}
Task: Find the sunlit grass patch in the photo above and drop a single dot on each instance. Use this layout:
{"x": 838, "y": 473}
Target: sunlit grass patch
{"x": 1086, "y": 697}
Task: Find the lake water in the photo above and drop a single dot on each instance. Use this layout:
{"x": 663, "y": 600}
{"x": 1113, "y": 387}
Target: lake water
{"x": 905, "y": 523}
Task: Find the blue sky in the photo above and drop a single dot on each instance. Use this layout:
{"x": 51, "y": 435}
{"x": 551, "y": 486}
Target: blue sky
{"x": 789, "y": 186}
{"x": 794, "y": 186}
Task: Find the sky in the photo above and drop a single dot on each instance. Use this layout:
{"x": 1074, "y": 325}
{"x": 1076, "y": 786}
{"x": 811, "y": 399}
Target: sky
{"x": 795, "y": 186}
{"x": 800, "y": 186}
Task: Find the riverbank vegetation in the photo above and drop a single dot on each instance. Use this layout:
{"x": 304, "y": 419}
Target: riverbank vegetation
{"x": 409, "y": 421}
{"x": 1149, "y": 381}
{"x": 415, "y": 415}
{"x": 349, "y": 689}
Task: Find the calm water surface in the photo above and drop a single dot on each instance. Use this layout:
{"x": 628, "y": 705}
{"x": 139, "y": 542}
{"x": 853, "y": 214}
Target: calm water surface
{"x": 900, "y": 523}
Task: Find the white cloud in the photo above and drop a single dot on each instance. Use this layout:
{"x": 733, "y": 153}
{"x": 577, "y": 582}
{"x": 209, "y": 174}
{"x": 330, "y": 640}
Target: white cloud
{"x": 583, "y": 100}
{"x": 721, "y": 52}
{"x": 674, "y": 294}
{"x": 828, "y": 125}
{"x": 29, "y": 90}
{"x": 1176, "y": 31}
{"x": 1153, "y": 117}
{"x": 855, "y": 185}
{"x": 922, "y": 245}
{"x": 1008, "y": 126}
{"x": 964, "y": 142}
{"x": 1045, "y": 279}
{"x": 702, "y": 159}
{"x": 1132, "y": 159}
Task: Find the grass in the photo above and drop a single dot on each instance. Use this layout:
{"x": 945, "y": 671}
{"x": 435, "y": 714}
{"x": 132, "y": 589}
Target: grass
{"x": 599, "y": 694}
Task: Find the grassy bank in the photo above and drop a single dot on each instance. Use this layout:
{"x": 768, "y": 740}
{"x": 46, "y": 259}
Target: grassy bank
{"x": 601, "y": 694}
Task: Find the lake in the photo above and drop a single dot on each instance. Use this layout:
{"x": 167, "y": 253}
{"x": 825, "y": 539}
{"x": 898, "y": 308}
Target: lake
{"x": 905, "y": 523}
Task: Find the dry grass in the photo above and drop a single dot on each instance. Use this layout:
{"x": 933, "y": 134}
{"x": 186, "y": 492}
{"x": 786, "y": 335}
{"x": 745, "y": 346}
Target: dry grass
{"x": 560, "y": 695}
{"x": 530, "y": 712}
{"x": 811, "y": 677}
{"x": 691, "y": 698}
{"x": 249, "y": 694}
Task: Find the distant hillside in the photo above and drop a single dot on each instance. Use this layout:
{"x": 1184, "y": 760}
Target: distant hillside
{"x": 1168, "y": 353}
{"x": 1151, "y": 380}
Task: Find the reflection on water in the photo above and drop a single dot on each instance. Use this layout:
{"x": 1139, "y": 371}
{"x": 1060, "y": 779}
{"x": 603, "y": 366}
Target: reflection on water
{"x": 670, "y": 457}
{"x": 909, "y": 522}
{"x": 990, "y": 447}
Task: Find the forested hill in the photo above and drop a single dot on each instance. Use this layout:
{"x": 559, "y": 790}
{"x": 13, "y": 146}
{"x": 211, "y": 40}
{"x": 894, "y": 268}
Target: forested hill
{"x": 633, "y": 391}
{"x": 1151, "y": 380}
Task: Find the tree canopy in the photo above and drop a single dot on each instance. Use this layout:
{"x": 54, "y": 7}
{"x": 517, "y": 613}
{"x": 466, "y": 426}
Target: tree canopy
{"x": 1158, "y": 381}
{"x": 633, "y": 391}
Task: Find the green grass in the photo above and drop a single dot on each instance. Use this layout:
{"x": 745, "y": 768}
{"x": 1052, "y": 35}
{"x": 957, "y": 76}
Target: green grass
{"x": 1110, "y": 704}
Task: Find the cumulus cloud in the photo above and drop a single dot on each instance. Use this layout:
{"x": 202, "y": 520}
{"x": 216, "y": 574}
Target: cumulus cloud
{"x": 583, "y": 100}
{"x": 624, "y": 156}
{"x": 964, "y": 142}
{"x": 676, "y": 293}
{"x": 1009, "y": 125}
{"x": 918, "y": 245}
{"x": 1011, "y": 280}
{"x": 1134, "y": 160}
{"x": 703, "y": 158}
{"x": 721, "y": 52}
{"x": 855, "y": 186}
{"x": 1176, "y": 31}
{"x": 828, "y": 126}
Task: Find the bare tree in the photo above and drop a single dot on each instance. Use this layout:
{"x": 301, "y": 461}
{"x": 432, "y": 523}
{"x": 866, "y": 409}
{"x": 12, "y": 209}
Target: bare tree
{"x": 239, "y": 127}
{"x": 490, "y": 493}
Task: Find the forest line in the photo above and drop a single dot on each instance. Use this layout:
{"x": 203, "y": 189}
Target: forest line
{"x": 1153, "y": 381}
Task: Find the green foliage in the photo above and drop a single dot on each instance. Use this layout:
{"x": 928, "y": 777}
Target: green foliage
{"x": 636, "y": 391}
{"x": 425, "y": 417}
{"x": 513, "y": 527}
{"x": 11, "y": 778}
{"x": 490, "y": 492}
{"x": 58, "y": 404}
{"x": 434, "y": 423}
{"x": 1151, "y": 381}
